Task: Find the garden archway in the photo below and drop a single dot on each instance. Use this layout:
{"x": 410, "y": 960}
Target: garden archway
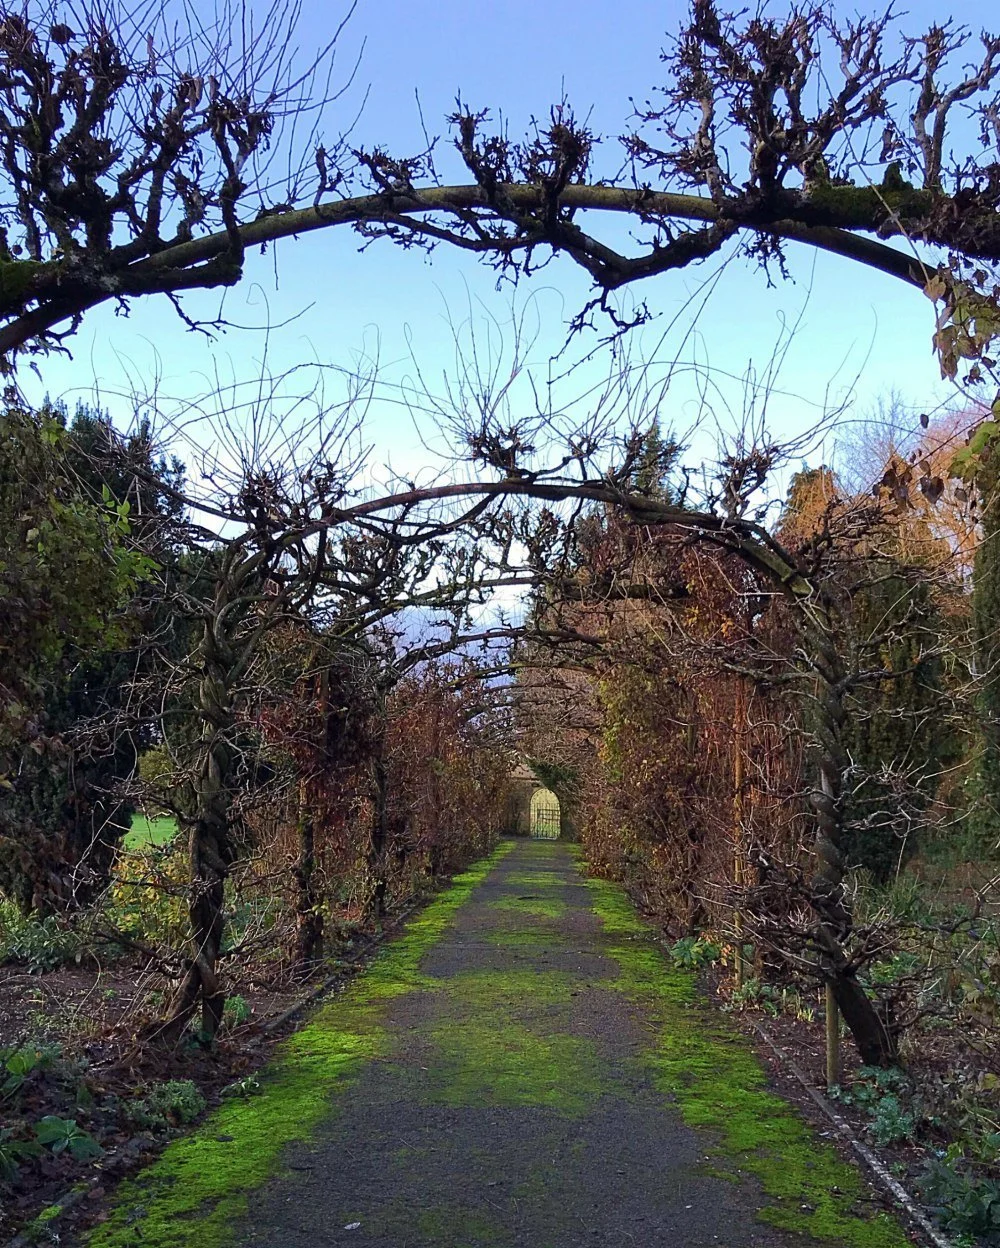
{"x": 546, "y": 815}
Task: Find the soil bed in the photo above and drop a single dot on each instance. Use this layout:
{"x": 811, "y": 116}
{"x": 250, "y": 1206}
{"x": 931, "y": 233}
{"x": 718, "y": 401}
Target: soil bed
{"x": 84, "y": 1020}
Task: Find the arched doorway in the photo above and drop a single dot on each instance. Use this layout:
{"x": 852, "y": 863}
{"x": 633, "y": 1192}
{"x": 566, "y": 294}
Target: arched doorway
{"x": 546, "y": 817}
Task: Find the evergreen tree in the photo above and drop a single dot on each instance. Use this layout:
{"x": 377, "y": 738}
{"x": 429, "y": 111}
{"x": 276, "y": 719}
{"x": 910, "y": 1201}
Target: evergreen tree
{"x": 654, "y": 466}
{"x": 62, "y": 816}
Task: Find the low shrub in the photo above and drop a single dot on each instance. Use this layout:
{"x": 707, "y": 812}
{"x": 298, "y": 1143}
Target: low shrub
{"x": 235, "y": 1011}
{"x": 771, "y": 1000}
{"x": 39, "y": 944}
{"x": 890, "y": 1123}
{"x": 963, "y": 1203}
{"x": 694, "y": 953}
{"x": 890, "y": 971}
{"x": 170, "y": 1104}
{"x": 753, "y": 992}
{"x": 881, "y": 1094}
{"x": 148, "y": 895}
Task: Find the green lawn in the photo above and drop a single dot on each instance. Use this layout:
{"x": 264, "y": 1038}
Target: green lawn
{"x": 145, "y": 831}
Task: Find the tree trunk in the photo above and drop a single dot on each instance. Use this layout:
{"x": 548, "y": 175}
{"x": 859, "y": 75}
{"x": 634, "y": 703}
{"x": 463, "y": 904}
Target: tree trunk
{"x": 209, "y": 850}
{"x": 377, "y": 852}
{"x": 308, "y": 911}
{"x": 876, "y": 1042}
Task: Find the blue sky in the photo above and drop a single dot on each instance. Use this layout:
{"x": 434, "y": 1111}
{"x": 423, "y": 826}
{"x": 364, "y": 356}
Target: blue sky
{"x": 857, "y": 332}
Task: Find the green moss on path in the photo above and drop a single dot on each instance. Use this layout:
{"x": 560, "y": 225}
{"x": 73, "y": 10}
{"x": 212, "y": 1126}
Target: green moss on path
{"x": 529, "y": 881}
{"x": 493, "y": 1043}
{"x": 204, "y": 1178}
{"x": 711, "y": 1072}
{"x": 537, "y": 939}
{"x": 570, "y": 1061}
{"x": 487, "y": 1060}
{"x": 440, "y": 1224}
{"x": 533, "y": 907}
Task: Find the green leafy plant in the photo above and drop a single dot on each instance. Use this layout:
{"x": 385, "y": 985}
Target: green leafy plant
{"x": 12, "y": 1153}
{"x": 871, "y": 1084}
{"x": 41, "y": 944}
{"x": 62, "y": 1135}
{"x": 890, "y": 1122}
{"x": 248, "y": 1086}
{"x": 963, "y": 1203}
{"x": 885, "y": 974}
{"x": 880, "y": 1094}
{"x": 694, "y": 953}
{"x": 772, "y": 1000}
{"x": 235, "y": 1011}
{"x": 19, "y": 1063}
{"x": 172, "y": 1103}
{"x": 753, "y": 992}
{"x": 791, "y": 1003}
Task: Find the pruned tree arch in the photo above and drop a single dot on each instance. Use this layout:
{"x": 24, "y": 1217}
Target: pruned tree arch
{"x": 831, "y": 132}
{"x": 173, "y": 204}
{"x": 817, "y": 611}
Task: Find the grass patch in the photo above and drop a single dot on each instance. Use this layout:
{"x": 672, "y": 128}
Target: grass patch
{"x": 712, "y": 1073}
{"x": 201, "y": 1182}
{"x": 145, "y": 831}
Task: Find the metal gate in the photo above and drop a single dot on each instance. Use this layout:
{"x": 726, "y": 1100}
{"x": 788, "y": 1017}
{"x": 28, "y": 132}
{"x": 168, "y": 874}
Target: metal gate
{"x": 546, "y": 817}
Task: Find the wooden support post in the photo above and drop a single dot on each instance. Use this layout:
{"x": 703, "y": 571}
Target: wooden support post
{"x": 738, "y": 969}
{"x": 834, "y": 1074}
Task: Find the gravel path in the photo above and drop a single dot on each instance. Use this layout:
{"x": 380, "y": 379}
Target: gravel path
{"x": 514, "y": 1098}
